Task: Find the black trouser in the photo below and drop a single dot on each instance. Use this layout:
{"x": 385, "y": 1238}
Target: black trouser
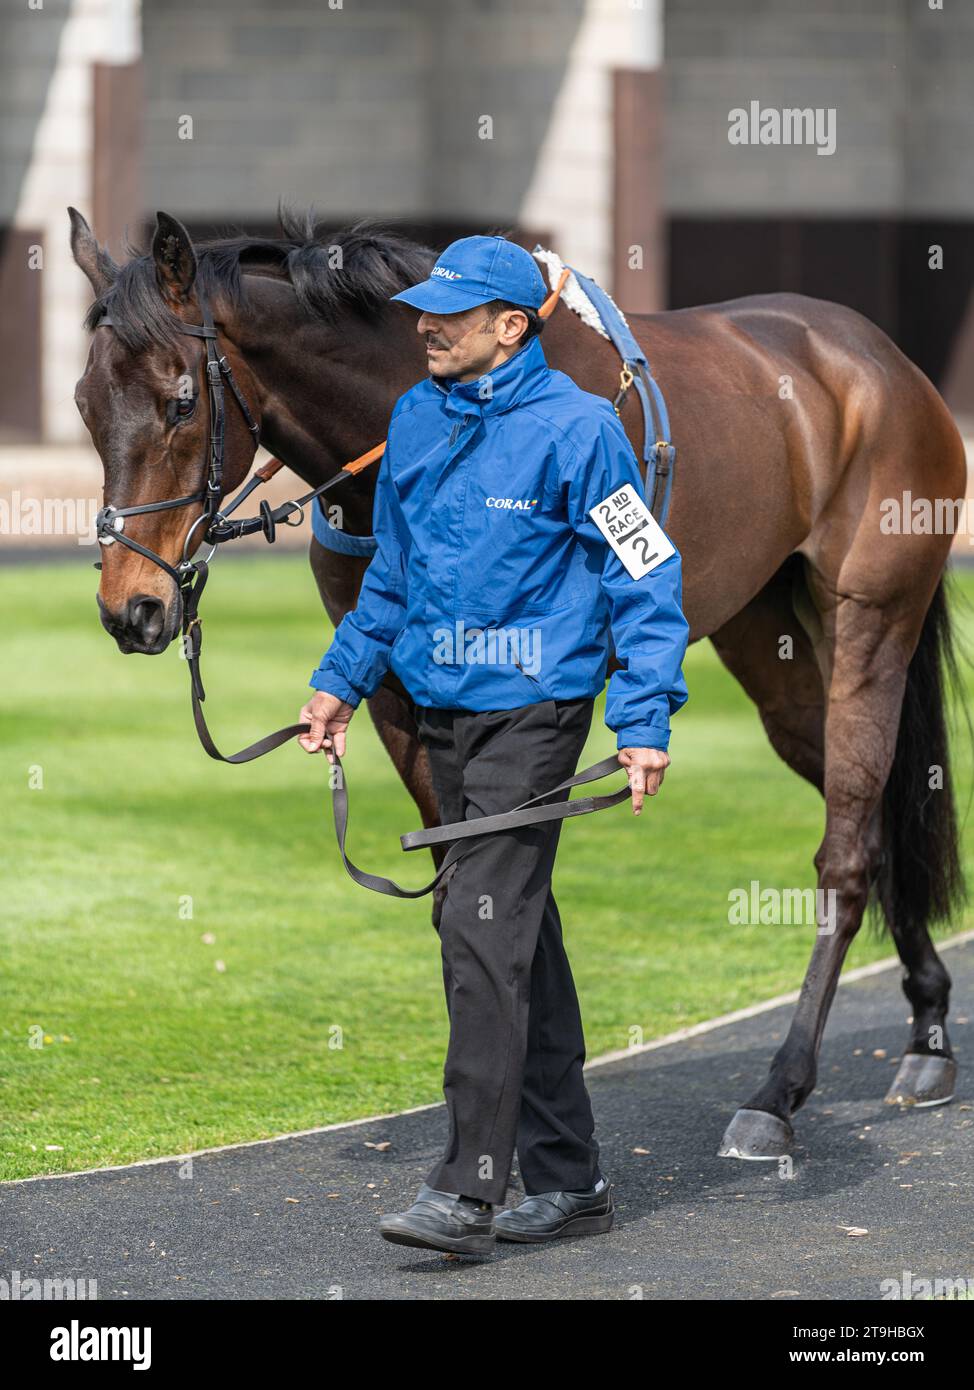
{"x": 513, "y": 1074}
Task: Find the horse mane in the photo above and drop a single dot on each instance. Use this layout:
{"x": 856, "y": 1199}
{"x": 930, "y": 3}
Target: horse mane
{"x": 375, "y": 262}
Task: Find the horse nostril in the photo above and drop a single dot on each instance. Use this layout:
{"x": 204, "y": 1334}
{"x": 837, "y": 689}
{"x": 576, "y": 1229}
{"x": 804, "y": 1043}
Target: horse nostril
{"x": 146, "y": 617}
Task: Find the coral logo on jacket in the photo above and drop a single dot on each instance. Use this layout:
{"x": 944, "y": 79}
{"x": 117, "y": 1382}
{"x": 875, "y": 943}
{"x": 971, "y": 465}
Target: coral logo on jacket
{"x": 511, "y": 504}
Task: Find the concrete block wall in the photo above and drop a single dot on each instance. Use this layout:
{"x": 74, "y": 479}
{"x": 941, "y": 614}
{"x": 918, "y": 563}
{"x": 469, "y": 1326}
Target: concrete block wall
{"x": 376, "y": 107}
{"x": 896, "y": 72}
{"x": 291, "y": 100}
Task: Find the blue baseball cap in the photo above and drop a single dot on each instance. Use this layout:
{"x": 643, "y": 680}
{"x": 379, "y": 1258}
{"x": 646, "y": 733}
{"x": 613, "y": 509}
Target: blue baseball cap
{"x": 475, "y": 270}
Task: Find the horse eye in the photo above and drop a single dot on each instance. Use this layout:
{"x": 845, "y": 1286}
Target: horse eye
{"x": 180, "y": 408}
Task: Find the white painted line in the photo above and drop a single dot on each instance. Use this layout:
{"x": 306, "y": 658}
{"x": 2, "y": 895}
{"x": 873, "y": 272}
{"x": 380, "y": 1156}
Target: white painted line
{"x": 850, "y": 977}
{"x": 220, "y": 1148}
{"x": 862, "y": 972}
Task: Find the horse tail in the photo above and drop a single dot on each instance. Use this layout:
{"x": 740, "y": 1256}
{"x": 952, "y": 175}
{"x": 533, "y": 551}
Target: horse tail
{"x": 920, "y": 879}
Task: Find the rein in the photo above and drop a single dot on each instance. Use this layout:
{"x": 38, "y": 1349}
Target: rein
{"x": 191, "y": 576}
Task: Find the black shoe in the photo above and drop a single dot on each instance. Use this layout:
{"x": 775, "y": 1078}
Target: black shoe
{"x": 442, "y": 1221}
{"x": 551, "y": 1215}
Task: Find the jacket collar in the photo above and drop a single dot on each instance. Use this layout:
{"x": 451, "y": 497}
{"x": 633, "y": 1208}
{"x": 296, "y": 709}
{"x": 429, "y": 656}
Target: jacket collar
{"x": 514, "y": 381}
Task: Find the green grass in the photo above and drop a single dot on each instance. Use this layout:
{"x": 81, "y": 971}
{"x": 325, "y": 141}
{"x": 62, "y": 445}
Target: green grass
{"x": 148, "y": 1048}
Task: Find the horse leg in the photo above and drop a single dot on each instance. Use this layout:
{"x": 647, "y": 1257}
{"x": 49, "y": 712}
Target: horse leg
{"x": 770, "y": 648}
{"x": 868, "y": 637}
{"x": 787, "y": 686}
{"x": 790, "y": 699}
{"x": 928, "y": 1071}
{"x": 921, "y": 874}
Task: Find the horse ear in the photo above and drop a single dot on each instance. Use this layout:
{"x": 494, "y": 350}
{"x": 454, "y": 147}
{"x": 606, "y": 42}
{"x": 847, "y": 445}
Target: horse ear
{"x": 174, "y": 256}
{"x": 97, "y": 264}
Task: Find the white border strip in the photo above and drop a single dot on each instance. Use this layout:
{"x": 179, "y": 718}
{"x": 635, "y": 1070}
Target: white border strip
{"x": 862, "y": 972}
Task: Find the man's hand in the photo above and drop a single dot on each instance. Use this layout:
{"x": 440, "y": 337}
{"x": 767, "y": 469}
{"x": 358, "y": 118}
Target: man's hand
{"x": 329, "y": 718}
{"x": 647, "y": 768}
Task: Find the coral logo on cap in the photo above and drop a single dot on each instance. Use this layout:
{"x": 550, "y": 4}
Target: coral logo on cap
{"x": 445, "y": 274}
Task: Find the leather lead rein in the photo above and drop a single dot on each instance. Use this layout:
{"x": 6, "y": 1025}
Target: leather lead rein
{"x": 529, "y": 813}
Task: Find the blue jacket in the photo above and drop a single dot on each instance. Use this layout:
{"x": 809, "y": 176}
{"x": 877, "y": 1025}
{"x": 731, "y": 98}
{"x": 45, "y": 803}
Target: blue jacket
{"x": 492, "y": 587}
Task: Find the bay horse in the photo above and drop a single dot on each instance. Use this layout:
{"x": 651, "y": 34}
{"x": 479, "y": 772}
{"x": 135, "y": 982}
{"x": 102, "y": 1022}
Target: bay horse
{"x": 794, "y": 418}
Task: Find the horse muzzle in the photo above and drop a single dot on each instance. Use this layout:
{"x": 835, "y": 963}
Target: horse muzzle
{"x": 146, "y": 623}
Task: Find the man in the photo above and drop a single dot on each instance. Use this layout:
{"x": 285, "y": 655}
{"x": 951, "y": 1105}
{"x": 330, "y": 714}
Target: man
{"x": 494, "y": 596}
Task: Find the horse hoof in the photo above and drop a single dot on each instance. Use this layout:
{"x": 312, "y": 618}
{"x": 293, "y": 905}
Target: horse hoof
{"x": 923, "y": 1080}
{"x": 757, "y": 1136}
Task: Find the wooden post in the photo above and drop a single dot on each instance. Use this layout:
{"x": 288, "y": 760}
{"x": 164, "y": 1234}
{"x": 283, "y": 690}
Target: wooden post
{"x": 21, "y": 407}
{"x": 637, "y": 191}
{"x": 116, "y": 159}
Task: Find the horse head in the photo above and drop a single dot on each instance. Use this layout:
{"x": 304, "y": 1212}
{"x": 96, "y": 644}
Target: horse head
{"x": 144, "y": 398}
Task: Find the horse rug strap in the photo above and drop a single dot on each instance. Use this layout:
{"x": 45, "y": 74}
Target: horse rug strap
{"x": 659, "y": 453}
{"x": 527, "y": 814}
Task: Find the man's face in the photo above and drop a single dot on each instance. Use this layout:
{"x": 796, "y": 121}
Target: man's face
{"x": 467, "y": 345}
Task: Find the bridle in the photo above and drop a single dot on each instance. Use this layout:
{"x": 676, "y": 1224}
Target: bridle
{"x": 110, "y": 521}
{"x": 191, "y": 575}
